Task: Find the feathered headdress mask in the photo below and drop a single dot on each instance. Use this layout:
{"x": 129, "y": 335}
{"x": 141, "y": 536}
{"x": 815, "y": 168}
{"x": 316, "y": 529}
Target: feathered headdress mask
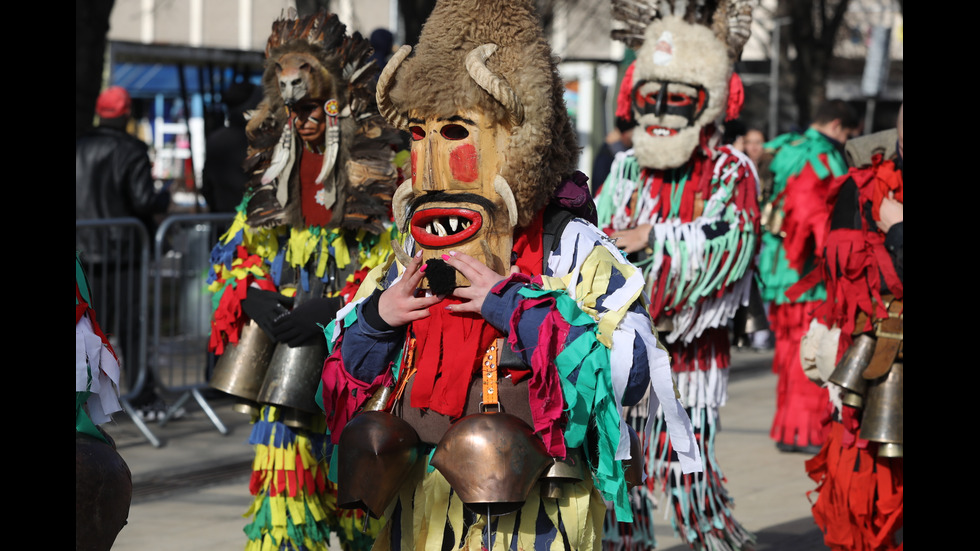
{"x": 313, "y": 66}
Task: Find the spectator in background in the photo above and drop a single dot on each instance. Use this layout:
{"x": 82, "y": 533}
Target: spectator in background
{"x": 224, "y": 178}
{"x": 383, "y": 43}
{"x": 113, "y": 180}
{"x": 754, "y": 141}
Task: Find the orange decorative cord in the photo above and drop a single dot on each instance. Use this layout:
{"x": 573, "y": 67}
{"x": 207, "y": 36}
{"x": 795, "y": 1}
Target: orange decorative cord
{"x": 490, "y": 373}
{"x": 407, "y": 371}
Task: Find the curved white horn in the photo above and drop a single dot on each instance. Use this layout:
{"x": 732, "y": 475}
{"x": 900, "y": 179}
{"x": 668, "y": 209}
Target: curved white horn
{"x": 502, "y": 188}
{"x": 385, "y": 82}
{"x": 399, "y": 204}
{"x": 476, "y": 66}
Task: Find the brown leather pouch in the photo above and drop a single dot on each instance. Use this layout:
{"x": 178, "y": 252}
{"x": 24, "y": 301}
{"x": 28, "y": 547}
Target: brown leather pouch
{"x": 889, "y": 334}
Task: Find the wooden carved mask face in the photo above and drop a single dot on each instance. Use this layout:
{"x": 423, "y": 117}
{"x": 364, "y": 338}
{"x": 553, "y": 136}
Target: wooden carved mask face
{"x": 459, "y": 200}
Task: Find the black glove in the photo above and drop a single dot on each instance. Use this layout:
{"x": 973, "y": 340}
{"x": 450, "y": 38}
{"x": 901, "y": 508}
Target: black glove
{"x": 265, "y": 306}
{"x": 300, "y": 326}
{"x": 714, "y": 230}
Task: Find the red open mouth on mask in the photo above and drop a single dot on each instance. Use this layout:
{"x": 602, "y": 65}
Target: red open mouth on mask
{"x": 438, "y": 228}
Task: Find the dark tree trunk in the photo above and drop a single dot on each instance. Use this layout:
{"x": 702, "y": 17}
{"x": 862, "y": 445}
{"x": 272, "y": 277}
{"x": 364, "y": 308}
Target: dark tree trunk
{"x": 813, "y": 28}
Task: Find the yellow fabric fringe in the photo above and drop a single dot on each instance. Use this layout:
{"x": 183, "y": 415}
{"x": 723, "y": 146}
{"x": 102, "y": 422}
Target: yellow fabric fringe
{"x": 594, "y": 275}
{"x": 578, "y": 517}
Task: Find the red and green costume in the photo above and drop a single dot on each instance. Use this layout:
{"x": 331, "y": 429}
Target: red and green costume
{"x": 860, "y": 494}
{"x": 803, "y": 168}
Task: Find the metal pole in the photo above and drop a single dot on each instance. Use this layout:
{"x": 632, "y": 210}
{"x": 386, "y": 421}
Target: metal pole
{"x": 774, "y": 59}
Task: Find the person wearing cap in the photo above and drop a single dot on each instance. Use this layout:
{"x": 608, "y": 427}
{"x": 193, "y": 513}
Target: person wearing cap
{"x": 113, "y": 180}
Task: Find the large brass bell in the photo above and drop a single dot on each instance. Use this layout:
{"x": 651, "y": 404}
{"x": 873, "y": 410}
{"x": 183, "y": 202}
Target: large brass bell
{"x": 882, "y": 421}
{"x": 491, "y": 460}
{"x": 242, "y": 368}
{"x": 375, "y": 453}
{"x": 292, "y": 380}
{"x": 294, "y": 374}
{"x": 848, "y": 372}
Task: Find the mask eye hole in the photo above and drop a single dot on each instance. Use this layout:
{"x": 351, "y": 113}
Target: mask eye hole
{"x": 454, "y": 132}
{"x": 418, "y": 133}
{"x": 679, "y": 99}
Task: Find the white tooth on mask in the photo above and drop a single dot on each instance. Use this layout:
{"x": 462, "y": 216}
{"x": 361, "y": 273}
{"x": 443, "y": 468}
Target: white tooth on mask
{"x": 454, "y": 223}
{"x": 428, "y": 228}
{"x": 440, "y": 230}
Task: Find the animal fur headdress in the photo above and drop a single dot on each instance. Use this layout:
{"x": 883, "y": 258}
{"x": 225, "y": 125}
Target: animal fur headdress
{"x": 313, "y": 59}
{"x": 491, "y": 57}
{"x": 693, "y": 42}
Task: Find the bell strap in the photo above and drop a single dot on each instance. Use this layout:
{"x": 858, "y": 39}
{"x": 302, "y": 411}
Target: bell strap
{"x": 490, "y": 362}
{"x": 889, "y": 333}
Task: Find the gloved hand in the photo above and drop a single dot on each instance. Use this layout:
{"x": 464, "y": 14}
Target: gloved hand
{"x": 712, "y": 231}
{"x": 300, "y": 326}
{"x": 265, "y": 306}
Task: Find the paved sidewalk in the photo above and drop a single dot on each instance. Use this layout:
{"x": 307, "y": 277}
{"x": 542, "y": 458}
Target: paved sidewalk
{"x": 191, "y": 493}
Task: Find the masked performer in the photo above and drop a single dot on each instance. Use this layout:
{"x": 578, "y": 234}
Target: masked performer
{"x": 315, "y": 219}
{"x": 795, "y": 221}
{"x": 685, "y": 207}
{"x": 503, "y": 288}
{"x": 859, "y": 470}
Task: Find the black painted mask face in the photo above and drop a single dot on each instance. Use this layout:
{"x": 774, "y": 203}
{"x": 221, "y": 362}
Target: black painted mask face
{"x": 665, "y": 107}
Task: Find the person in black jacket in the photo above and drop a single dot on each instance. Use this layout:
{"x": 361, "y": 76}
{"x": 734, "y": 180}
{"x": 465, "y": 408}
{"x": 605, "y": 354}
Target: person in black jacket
{"x": 113, "y": 180}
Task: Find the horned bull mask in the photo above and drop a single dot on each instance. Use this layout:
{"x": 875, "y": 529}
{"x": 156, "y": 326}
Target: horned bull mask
{"x": 457, "y": 199}
{"x": 482, "y": 99}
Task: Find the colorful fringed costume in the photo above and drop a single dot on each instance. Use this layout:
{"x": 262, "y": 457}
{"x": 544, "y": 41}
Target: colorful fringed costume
{"x": 504, "y": 293}
{"x": 584, "y": 341}
{"x": 698, "y": 271}
{"x": 686, "y": 209}
{"x": 795, "y": 225}
{"x": 294, "y": 502}
{"x": 859, "y": 470}
{"x": 315, "y": 219}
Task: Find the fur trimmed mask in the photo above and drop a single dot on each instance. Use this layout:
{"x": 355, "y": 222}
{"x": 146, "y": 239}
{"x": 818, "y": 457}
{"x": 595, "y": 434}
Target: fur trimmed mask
{"x": 680, "y": 85}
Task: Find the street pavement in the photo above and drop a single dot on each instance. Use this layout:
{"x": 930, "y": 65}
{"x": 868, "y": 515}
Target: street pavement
{"x": 191, "y": 493}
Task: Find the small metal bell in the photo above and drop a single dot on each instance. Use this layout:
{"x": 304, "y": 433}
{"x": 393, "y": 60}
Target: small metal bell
{"x": 292, "y": 379}
{"x": 847, "y": 374}
{"x": 751, "y": 318}
{"x": 570, "y": 469}
{"x": 883, "y": 415}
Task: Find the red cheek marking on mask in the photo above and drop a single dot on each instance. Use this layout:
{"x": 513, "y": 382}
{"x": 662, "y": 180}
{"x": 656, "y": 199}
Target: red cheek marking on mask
{"x": 464, "y": 163}
{"x": 414, "y": 172}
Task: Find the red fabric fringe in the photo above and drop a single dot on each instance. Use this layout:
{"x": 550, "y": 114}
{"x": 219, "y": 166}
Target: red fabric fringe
{"x": 229, "y": 319}
{"x": 713, "y": 346}
{"x": 860, "y": 503}
{"x": 802, "y": 406}
{"x": 856, "y": 260}
{"x": 807, "y": 219}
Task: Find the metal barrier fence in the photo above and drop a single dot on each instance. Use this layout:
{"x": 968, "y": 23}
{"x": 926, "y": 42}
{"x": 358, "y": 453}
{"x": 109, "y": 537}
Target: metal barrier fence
{"x": 155, "y": 312}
